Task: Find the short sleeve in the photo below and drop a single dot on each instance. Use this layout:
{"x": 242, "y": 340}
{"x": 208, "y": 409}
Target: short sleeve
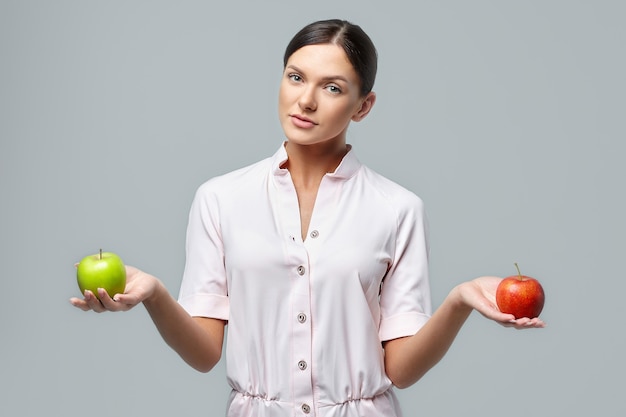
{"x": 405, "y": 293}
{"x": 204, "y": 289}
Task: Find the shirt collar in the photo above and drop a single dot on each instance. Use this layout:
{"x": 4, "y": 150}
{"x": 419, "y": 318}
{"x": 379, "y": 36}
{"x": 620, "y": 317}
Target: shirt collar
{"x": 348, "y": 166}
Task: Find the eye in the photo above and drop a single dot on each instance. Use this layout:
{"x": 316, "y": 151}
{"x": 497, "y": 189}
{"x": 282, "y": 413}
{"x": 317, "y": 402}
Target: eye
{"x": 296, "y": 78}
{"x": 332, "y": 88}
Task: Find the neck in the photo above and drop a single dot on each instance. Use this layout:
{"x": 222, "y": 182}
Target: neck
{"x": 307, "y": 164}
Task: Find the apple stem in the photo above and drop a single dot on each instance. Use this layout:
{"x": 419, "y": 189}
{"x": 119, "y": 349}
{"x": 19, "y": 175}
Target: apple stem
{"x": 518, "y": 271}
{"x": 101, "y": 255}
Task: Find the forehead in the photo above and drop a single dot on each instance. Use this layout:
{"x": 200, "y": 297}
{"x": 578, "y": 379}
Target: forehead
{"x": 323, "y": 60}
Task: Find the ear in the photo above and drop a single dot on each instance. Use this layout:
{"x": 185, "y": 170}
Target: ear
{"x": 366, "y": 105}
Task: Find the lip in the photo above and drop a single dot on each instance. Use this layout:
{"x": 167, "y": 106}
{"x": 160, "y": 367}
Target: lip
{"x": 302, "y": 121}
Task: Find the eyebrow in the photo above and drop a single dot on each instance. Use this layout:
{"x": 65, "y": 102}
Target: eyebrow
{"x": 325, "y": 78}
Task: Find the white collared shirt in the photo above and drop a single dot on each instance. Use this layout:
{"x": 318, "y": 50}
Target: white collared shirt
{"x": 306, "y": 318}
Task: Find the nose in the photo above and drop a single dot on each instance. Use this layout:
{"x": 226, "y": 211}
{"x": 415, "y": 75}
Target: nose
{"x": 307, "y": 101}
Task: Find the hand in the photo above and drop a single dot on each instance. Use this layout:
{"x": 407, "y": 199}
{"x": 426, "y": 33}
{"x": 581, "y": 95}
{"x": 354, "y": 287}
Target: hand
{"x": 139, "y": 287}
{"x": 480, "y": 294}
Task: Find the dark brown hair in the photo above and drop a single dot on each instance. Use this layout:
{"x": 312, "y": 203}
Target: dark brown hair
{"x": 358, "y": 47}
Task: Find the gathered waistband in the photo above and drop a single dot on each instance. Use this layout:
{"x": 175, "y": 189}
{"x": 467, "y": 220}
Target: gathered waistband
{"x": 262, "y": 405}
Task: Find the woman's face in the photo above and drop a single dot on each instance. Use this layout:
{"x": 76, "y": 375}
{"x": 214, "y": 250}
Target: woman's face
{"x": 319, "y": 95}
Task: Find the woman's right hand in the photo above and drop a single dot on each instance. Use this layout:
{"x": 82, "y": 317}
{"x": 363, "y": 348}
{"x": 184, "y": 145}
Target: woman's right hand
{"x": 139, "y": 287}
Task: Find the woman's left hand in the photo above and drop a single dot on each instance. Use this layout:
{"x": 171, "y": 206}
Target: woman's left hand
{"x": 480, "y": 294}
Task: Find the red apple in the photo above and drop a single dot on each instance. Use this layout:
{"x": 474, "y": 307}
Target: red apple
{"x": 520, "y": 295}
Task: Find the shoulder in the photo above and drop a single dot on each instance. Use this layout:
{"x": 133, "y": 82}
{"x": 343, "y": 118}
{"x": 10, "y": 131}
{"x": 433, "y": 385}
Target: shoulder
{"x": 245, "y": 177}
{"x": 224, "y": 192}
{"x": 394, "y": 194}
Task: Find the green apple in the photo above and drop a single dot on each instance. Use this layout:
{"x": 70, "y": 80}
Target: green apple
{"x": 102, "y": 270}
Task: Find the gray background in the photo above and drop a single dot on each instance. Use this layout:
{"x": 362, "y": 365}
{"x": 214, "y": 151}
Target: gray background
{"x": 506, "y": 117}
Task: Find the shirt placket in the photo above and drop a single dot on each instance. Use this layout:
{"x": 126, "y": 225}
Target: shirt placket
{"x": 302, "y": 339}
{"x": 303, "y": 298}
{"x": 300, "y": 299}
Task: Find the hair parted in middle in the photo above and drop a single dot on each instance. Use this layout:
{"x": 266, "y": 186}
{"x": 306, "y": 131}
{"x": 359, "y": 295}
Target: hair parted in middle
{"x": 357, "y": 45}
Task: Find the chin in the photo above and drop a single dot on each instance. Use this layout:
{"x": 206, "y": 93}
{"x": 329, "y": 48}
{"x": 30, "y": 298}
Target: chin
{"x": 300, "y": 138}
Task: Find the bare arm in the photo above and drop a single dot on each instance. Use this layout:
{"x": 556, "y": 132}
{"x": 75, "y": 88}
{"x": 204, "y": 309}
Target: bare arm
{"x": 198, "y": 340}
{"x": 407, "y": 359}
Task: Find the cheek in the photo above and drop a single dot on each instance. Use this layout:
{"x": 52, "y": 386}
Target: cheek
{"x": 285, "y": 96}
{"x": 341, "y": 114}
{"x": 281, "y": 98}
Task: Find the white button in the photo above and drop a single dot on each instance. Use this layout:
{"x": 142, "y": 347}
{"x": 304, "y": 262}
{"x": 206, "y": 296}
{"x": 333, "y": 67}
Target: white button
{"x": 306, "y": 409}
{"x": 301, "y": 317}
{"x": 315, "y": 234}
{"x": 301, "y": 270}
{"x": 302, "y": 365}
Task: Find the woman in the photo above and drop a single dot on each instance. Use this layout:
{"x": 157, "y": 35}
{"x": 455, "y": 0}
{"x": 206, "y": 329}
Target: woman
{"x": 317, "y": 264}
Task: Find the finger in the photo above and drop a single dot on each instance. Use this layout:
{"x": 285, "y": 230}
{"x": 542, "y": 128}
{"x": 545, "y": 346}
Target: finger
{"x": 125, "y": 300}
{"x": 522, "y": 322}
{"x": 78, "y": 303}
{"x": 107, "y": 302}
{"x": 537, "y": 323}
{"x": 527, "y": 323}
{"x": 93, "y": 302}
{"x": 493, "y": 313}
